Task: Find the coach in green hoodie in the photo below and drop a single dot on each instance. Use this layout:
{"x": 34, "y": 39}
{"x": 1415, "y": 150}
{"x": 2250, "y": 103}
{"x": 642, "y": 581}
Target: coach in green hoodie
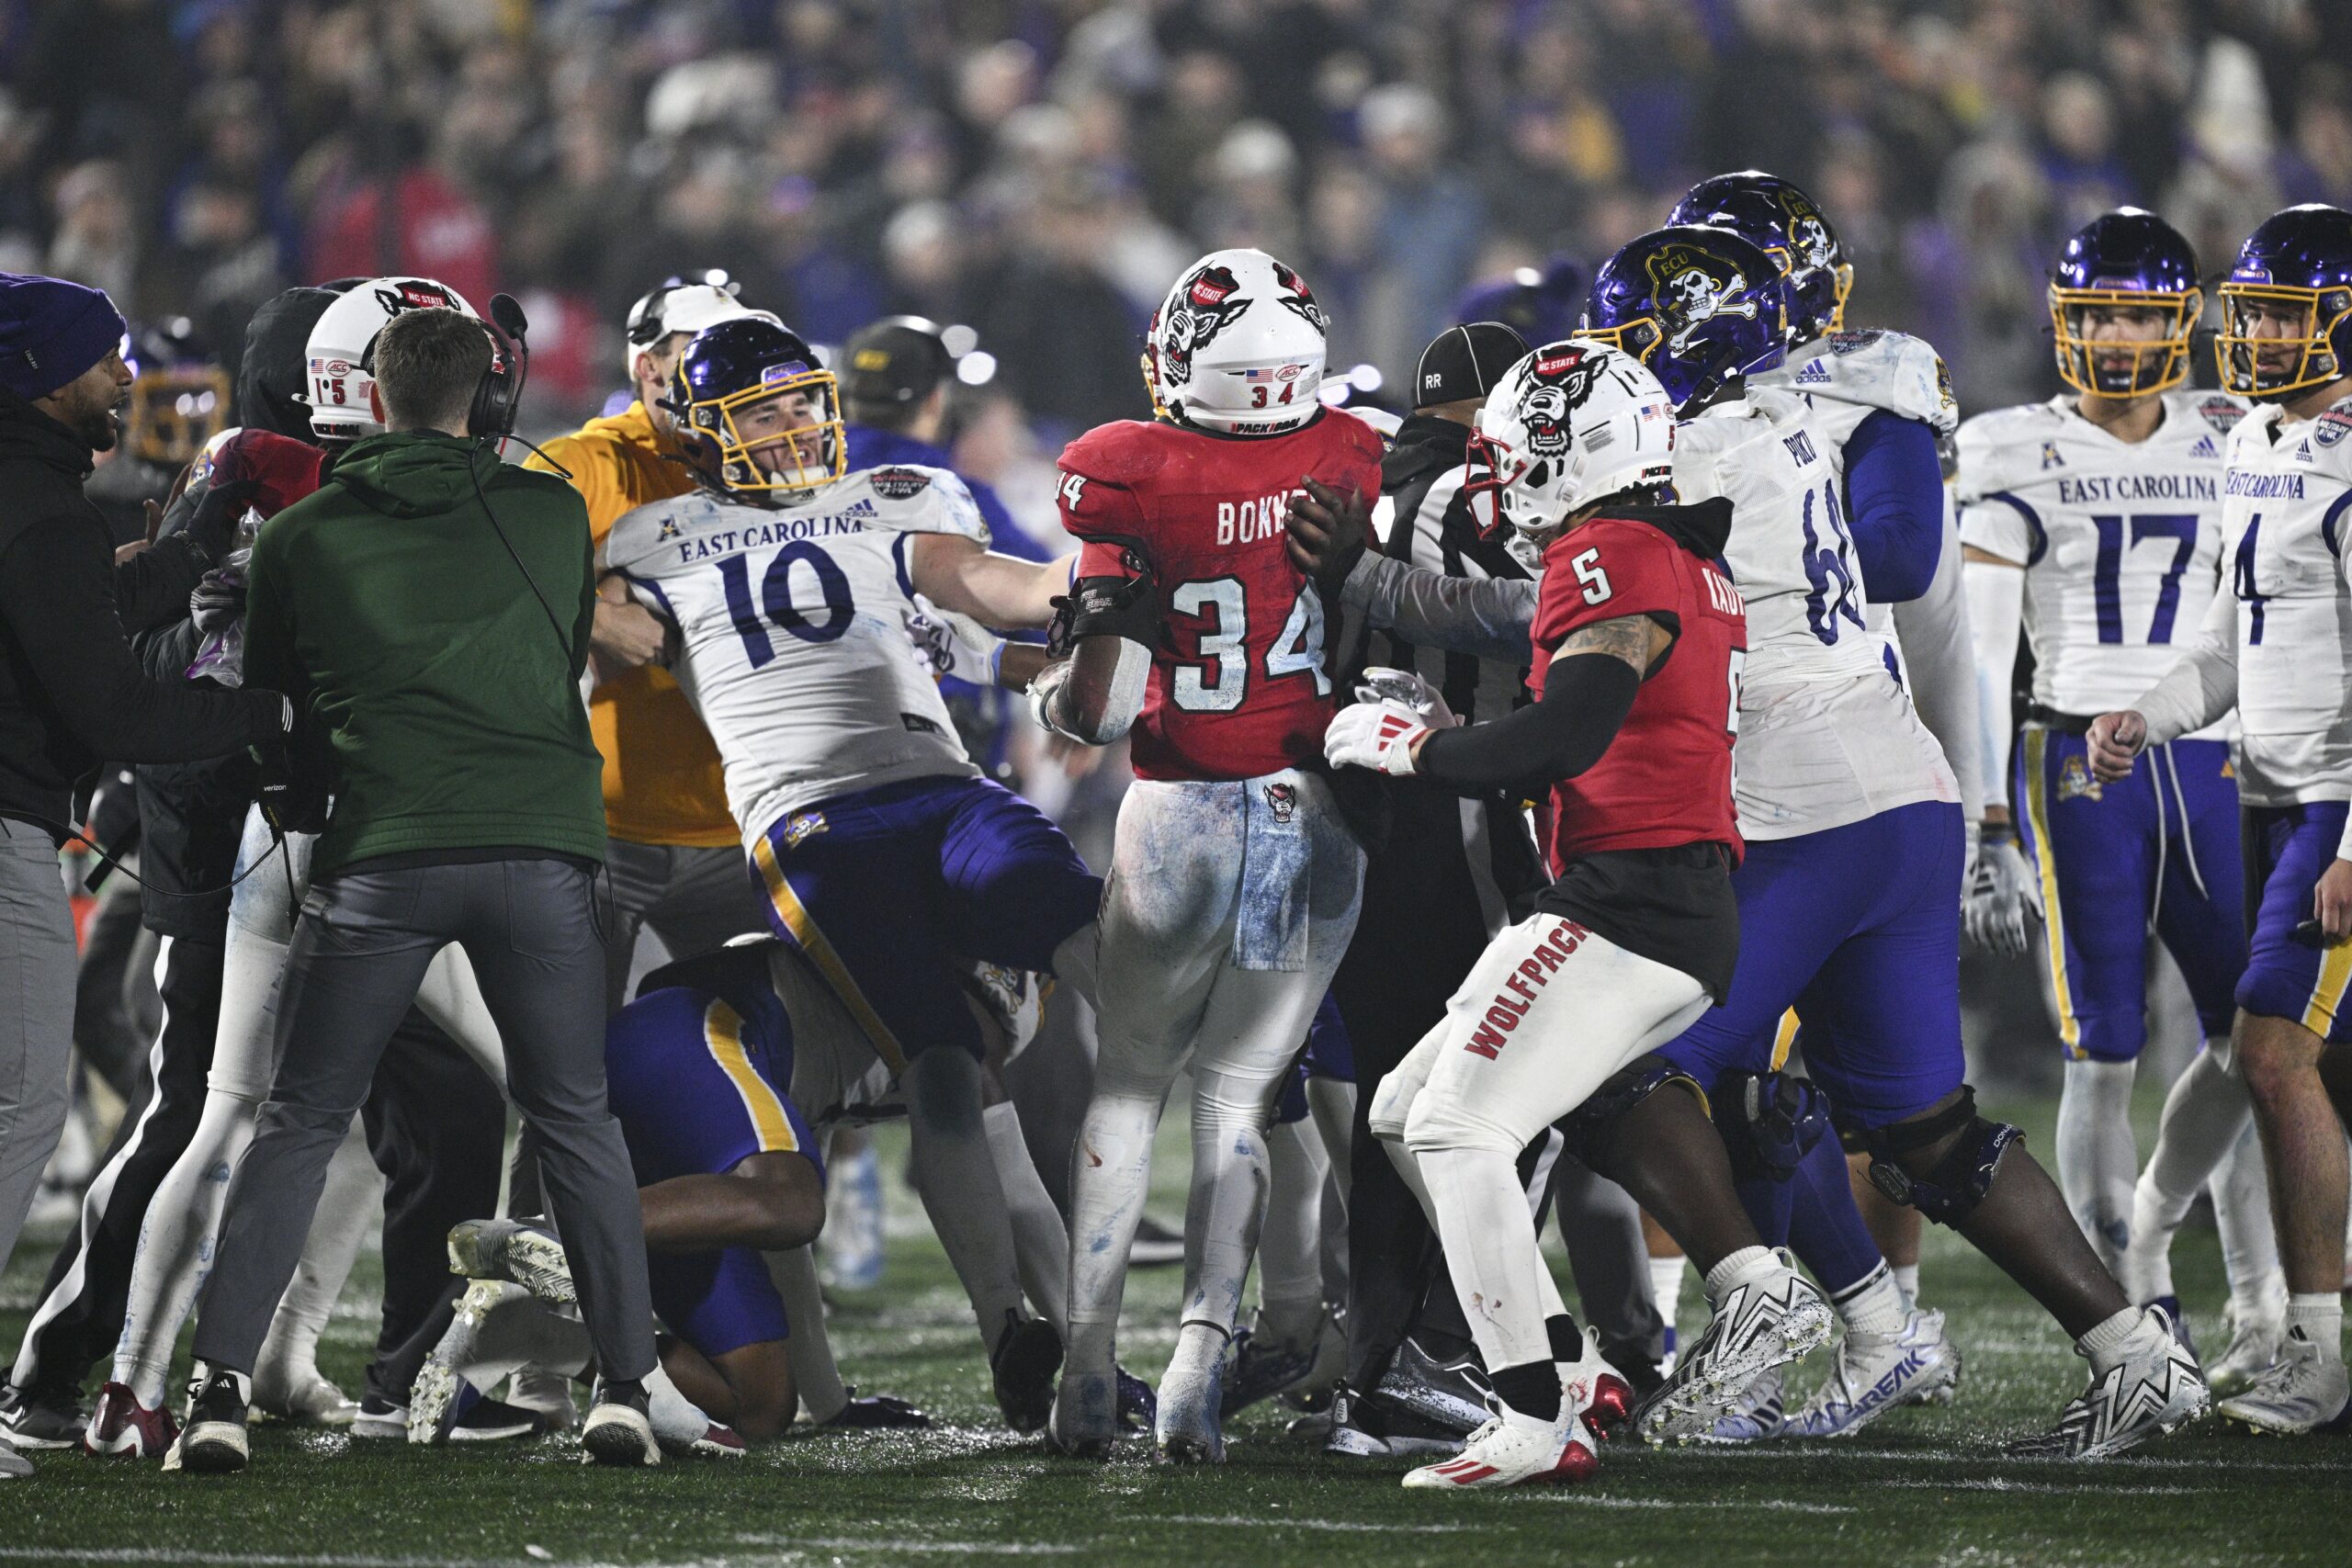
{"x": 427, "y": 610}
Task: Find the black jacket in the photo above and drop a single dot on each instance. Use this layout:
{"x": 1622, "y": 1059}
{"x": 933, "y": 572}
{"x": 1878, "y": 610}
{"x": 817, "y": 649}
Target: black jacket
{"x": 72, "y": 692}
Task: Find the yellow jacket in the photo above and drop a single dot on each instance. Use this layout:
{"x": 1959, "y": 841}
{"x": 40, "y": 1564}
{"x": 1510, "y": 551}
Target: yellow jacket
{"x": 663, "y": 781}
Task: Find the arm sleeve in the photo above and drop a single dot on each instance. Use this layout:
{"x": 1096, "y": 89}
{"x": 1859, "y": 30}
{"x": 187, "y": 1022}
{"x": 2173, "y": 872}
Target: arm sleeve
{"x": 1995, "y": 614}
{"x": 1586, "y": 699}
{"x": 56, "y": 593}
{"x": 1489, "y": 618}
{"x": 1933, "y": 629}
{"x": 1895, "y": 492}
{"x": 2203, "y": 685}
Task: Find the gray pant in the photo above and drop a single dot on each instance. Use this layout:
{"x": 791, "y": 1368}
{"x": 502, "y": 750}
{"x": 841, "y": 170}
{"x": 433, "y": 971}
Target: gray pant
{"x": 694, "y": 900}
{"x": 360, "y": 950}
{"x": 36, "y": 1016}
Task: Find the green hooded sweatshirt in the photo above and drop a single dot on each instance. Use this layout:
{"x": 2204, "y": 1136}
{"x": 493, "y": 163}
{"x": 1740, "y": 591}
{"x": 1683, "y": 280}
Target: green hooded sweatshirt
{"x": 446, "y": 694}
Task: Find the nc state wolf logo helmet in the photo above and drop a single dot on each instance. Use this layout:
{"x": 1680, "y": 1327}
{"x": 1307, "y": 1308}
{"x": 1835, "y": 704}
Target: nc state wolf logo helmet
{"x": 340, "y": 410}
{"x": 1570, "y": 424}
{"x": 1237, "y": 346}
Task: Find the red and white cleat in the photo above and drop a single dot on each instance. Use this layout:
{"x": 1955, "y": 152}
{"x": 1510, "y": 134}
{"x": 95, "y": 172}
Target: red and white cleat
{"x": 716, "y": 1442}
{"x": 1513, "y": 1450}
{"x": 120, "y": 1427}
{"x": 1602, "y": 1400}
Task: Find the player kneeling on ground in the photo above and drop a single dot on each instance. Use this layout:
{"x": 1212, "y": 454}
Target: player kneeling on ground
{"x": 1638, "y": 642}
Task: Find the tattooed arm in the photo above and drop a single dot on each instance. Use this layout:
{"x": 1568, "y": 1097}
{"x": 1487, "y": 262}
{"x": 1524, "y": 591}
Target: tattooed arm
{"x": 1588, "y": 690}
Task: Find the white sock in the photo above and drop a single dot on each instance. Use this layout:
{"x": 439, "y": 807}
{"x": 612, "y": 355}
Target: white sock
{"x": 2321, "y": 1317}
{"x": 1874, "y": 1306}
{"x": 1746, "y": 1264}
{"x": 814, "y": 1373}
{"x": 1040, "y": 1245}
{"x": 2241, "y": 1188}
{"x": 354, "y": 1191}
{"x": 175, "y": 1250}
{"x": 1665, "y": 1285}
{"x": 1906, "y": 1282}
{"x": 1232, "y": 1171}
{"x": 1290, "y": 1260}
{"x": 2205, "y": 1112}
{"x": 2096, "y": 1158}
{"x": 955, "y": 1177}
{"x": 1110, "y": 1173}
{"x": 2112, "y": 1339}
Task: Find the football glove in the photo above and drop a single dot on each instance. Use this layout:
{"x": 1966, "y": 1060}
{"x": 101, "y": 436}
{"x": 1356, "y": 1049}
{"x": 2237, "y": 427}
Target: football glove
{"x": 948, "y": 642}
{"x": 218, "y": 601}
{"x": 1379, "y": 735}
{"x": 1381, "y": 684}
{"x": 2003, "y": 894}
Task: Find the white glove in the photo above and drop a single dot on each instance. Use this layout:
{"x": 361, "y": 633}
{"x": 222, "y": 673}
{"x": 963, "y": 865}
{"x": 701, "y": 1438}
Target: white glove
{"x": 948, "y": 642}
{"x": 2003, "y": 892}
{"x": 1379, "y": 735}
{"x": 1407, "y": 689}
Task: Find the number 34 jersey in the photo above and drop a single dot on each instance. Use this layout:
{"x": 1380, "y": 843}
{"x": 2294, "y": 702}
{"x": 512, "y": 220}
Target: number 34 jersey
{"x": 1239, "y": 684}
{"x": 792, "y": 641}
{"x": 2120, "y": 542}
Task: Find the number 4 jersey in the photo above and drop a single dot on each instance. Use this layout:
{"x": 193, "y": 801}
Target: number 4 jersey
{"x": 1239, "y": 686}
{"x": 791, "y": 632}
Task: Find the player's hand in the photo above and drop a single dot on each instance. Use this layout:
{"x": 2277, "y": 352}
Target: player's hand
{"x": 2115, "y": 739}
{"x": 948, "y": 642}
{"x": 2332, "y": 901}
{"x": 2003, "y": 896}
{"x": 218, "y": 600}
{"x": 1380, "y": 736}
{"x": 1382, "y": 683}
{"x": 877, "y": 1412}
{"x": 626, "y": 635}
{"x": 1328, "y": 531}
{"x": 212, "y": 527}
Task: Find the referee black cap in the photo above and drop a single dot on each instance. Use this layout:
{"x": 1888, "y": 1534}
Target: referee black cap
{"x": 895, "y": 362}
{"x": 1465, "y": 361}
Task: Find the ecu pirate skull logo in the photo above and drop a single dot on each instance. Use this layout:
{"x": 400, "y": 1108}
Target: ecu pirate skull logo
{"x": 1808, "y": 234}
{"x": 1209, "y": 302}
{"x": 1689, "y": 294}
{"x": 1560, "y": 385}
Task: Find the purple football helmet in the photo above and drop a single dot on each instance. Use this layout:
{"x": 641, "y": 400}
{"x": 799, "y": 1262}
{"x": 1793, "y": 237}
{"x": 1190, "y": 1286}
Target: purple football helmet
{"x": 2287, "y": 306}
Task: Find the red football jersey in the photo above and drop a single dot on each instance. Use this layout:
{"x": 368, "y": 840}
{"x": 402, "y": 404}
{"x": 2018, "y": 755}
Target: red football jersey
{"x": 1665, "y": 779}
{"x": 1239, "y": 682}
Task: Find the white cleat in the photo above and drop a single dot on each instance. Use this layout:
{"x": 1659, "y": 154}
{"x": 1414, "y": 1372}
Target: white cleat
{"x": 305, "y": 1397}
{"x": 1760, "y": 1412}
{"x": 499, "y": 1327}
{"x": 1763, "y": 1322}
{"x": 1188, "y": 1428}
{"x": 1874, "y": 1374}
{"x": 1512, "y": 1450}
{"x": 2139, "y": 1399}
{"x": 2255, "y": 1339}
{"x": 514, "y": 1249}
{"x": 2301, "y": 1391}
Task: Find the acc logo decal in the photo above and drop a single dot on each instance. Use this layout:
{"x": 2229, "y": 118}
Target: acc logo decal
{"x": 1282, "y": 799}
{"x": 1688, "y": 295}
{"x": 802, "y": 825}
{"x": 2074, "y": 779}
{"x": 899, "y": 484}
{"x": 1206, "y": 304}
{"x": 2220, "y": 413}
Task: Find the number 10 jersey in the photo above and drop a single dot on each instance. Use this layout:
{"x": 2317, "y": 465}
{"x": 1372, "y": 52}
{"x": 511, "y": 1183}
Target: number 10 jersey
{"x": 1240, "y": 685}
{"x": 792, "y": 641}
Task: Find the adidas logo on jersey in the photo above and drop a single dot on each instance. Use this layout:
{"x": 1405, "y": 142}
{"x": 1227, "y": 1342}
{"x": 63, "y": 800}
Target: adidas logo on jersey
{"x": 861, "y": 507}
{"x": 2204, "y": 448}
{"x": 1815, "y": 374}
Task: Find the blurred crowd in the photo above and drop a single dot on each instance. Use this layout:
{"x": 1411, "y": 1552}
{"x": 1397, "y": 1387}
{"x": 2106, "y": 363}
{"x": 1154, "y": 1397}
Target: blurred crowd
{"x": 1039, "y": 169}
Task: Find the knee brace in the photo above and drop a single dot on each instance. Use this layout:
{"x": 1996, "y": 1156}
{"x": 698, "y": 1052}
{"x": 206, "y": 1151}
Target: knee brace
{"x": 1770, "y": 1121}
{"x": 1588, "y": 1124}
{"x": 1948, "y": 1191}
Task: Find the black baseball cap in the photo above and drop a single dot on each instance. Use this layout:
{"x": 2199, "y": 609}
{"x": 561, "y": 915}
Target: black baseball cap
{"x": 896, "y": 360}
{"x": 1465, "y": 361}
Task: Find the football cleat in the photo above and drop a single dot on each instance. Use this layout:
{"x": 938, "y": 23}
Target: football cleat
{"x": 546, "y": 1393}
{"x": 620, "y": 1428}
{"x": 2255, "y": 1339}
{"x": 2302, "y": 1391}
{"x": 1186, "y": 1430}
{"x": 14, "y": 1466}
{"x": 1369, "y": 1427}
{"x": 681, "y": 1425}
{"x": 1602, "y": 1398}
{"x": 1139, "y": 1405}
{"x": 526, "y": 1253}
{"x": 35, "y": 1419}
{"x": 120, "y": 1426}
{"x": 1261, "y": 1370}
{"x": 379, "y": 1417}
{"x": 1874, "y": 1374}
{"x": 879, "y": 1412}
{"x": 1512, "y": 1450}
{"x": 1450, "y": 1391}
{"x": 2140, "y": 1398}
{"x": 1022, "y": 1368}
{"x": 2170, "y": 1307}
{"x": 1762, "y": 1322}
{"x": 213, "y": 1442}
{"x": 305, "y": 1398}
{"x": 1760, "y": 1412}
{"x": 498, "y": 1328}
{"x": 1085, "y": 1422}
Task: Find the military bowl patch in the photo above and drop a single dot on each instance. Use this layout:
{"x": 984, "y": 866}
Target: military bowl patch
{"x": 1854, "y": 342}
{"x": 899, "y": 484}
{"x": 2333, "y": 425}
{"x": 2222, "y": 413}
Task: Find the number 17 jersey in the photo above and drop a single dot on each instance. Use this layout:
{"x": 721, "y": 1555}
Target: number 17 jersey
{"x": 1239, "y": 684}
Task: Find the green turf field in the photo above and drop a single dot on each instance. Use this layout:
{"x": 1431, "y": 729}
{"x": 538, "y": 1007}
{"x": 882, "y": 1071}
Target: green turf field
{"x": 1924, "y": 1488}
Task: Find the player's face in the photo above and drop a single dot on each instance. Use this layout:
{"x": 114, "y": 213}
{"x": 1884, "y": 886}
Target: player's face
{"x": 782, "y": 433}
{"x": 2121, "y": 326}
{"x": 2280, "y": 328}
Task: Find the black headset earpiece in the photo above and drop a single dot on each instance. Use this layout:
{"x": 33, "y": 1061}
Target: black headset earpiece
{"x": 501, "y": 392}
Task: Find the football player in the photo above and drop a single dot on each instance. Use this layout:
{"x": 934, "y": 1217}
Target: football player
{"x": 2095, "y": 520}
{"x": 1235, "y": 880}
{"x": 2279, "y": 646}
{"x": 1638, "y": 645}
{"x": 879, "y": 849}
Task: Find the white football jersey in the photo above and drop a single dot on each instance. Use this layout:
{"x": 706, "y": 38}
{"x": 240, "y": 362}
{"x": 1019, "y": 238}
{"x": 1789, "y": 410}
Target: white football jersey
{"x": 2121, "y": 543}
{"x": 1849, "y": 375}
{"x": 791, "y": 636}
{"x": 1827, "y": 733}
{"x": 2287, "y": 506}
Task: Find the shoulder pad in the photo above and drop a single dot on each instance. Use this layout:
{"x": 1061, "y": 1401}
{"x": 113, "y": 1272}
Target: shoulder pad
{"x": 2219, "y": 410}
{"x": 1125, "y": 454}
{"x": 1996, "y": 448}
{"x": 1880, "y": 369}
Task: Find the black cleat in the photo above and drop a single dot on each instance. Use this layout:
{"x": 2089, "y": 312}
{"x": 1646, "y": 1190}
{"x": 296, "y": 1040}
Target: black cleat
{"x": 1022, "y": 1367}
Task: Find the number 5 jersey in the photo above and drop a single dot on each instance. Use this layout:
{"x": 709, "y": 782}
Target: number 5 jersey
{"x": 792, "y": 640}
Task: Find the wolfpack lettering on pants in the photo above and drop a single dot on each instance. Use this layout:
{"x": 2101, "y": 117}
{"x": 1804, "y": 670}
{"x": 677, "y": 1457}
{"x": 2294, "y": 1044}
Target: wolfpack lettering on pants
{"x": 1512, "y": 1002}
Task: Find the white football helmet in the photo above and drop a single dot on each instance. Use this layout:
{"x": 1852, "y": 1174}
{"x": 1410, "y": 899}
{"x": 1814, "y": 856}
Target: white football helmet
{"x": 1573, "y": 421}
{"x": 1237, "y": 346}
{"x": 340, "y": 407}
